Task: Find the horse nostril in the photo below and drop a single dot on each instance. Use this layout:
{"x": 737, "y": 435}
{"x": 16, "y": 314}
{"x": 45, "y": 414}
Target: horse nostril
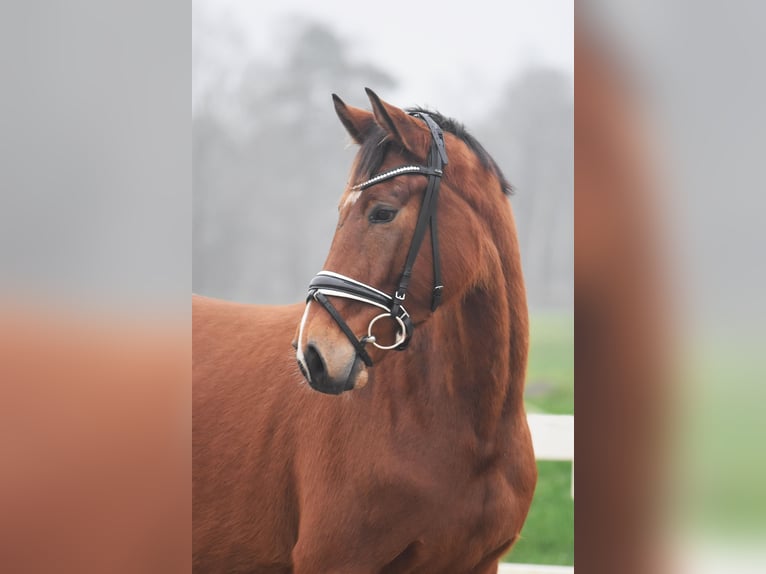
{"x": 315, "y": 363}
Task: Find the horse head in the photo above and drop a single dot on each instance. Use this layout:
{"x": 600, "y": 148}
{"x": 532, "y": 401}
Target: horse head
{"x": 411, "y": 237}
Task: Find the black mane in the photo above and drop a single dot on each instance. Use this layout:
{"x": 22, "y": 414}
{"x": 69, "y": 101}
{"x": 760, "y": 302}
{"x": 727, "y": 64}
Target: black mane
{"x": 376, "y": 145}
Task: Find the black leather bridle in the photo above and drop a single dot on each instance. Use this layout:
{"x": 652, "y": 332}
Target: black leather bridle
{"x": 329, "y": 284}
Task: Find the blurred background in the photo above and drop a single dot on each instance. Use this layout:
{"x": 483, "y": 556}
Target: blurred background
{"x": 670, "y": 283}
{"x": 270, "y": 158}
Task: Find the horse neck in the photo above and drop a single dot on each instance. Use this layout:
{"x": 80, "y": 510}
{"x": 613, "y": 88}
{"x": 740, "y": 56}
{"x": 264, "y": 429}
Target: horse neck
{"x": 469, "y": 359}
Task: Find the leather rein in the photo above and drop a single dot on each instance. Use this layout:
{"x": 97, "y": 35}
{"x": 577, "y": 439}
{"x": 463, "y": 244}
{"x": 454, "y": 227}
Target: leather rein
{"x": 328, "y": 284}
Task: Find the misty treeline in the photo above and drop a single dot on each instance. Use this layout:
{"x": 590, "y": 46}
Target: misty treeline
{"x": 270, "y": 161}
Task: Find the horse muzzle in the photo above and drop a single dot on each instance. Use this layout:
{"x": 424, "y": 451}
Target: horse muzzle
{"x": 333, "y": 373}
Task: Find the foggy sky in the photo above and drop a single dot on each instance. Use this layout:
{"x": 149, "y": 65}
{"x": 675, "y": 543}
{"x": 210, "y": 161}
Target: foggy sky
{"x": 456, "y": 57}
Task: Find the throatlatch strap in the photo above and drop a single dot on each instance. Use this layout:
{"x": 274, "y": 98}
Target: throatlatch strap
{"x": 358, "y": 345}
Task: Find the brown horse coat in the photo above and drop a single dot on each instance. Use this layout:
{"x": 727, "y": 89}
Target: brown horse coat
{"x": 428, "y": 467}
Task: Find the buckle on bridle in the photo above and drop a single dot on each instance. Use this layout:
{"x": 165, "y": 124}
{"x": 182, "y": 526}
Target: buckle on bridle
{"x": 400, "y": 297}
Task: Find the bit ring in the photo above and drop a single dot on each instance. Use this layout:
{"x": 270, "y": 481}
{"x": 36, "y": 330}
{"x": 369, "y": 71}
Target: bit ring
{"x": 400, "y": 337}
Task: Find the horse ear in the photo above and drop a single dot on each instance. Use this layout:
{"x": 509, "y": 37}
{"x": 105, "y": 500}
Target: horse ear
{"x": 356, "y": 121}
{"x": 410, "y": 132}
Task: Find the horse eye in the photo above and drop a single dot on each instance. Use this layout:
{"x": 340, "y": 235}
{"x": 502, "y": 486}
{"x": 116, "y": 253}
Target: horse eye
{"x": 383, "y": 214}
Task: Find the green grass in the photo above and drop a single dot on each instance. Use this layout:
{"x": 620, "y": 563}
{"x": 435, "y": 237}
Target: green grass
{"x": 548, "y": 534}
{"x": 717, "y": 438}
{"x": 550, "y": 373}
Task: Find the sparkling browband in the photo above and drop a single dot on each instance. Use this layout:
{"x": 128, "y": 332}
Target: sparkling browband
{"x": 386, "y": 175}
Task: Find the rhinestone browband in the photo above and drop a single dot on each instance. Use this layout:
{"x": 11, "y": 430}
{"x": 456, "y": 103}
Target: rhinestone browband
{"x": 386, "y": 175}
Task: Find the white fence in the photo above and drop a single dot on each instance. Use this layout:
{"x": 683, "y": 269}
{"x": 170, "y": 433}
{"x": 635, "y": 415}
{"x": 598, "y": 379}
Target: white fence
{"x": 553, "y": 438}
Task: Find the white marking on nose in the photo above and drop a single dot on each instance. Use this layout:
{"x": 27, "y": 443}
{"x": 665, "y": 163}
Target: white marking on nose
{"x": 299, "y": 351}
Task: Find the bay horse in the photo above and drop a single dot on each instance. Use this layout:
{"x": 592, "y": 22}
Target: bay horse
{"x": 424, "y": 463}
